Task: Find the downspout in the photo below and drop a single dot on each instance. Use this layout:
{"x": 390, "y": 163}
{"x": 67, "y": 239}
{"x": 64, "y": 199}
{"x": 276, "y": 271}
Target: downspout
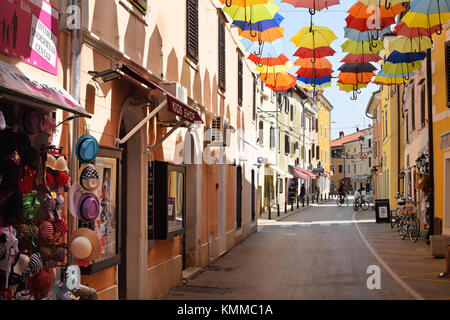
{"x": 430, "y": 140}
{"x": 398, "y": 138}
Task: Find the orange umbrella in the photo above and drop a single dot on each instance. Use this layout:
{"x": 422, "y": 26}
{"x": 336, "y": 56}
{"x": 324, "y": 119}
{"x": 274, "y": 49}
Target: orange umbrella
{"x": 268, "y": 61}
{"x": 361, "y": 11}
{"x": 243, "y": 3}
{"x": 321, "y": 63}
{"x": 355, "y": 78}
{"x": 268, "y": 35}
{"x": 278, "y": 81}
{"x": 314, "y": 72}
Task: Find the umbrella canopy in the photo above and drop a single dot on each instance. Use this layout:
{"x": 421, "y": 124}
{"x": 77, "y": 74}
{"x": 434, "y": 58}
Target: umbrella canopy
{"x": 401, "y": 68}
{"x": 428, "y": 13}
{"x": 402, "y": 29}
{"x": 361, "y": 11}
{"x": 278, "y": 81}
{"x": 269, "y": 61}
{"x": 243, "y": 3}
{"x": 317, "y": 87}
{"x": 386, "y": 3}
{"x": 351, "y": 87}
{"x": 319, "y": 52}
{"x": 267, "y": 49}
{"x": 363, "y": 24}
{"x": 383, "y": 74}
{"x": 357, "y": 67}
{"x": 313, "y": 5}
{"x": 321, "y": 63}
{"x": 260, "y": 25}
{"x": 366, "y": 35}
{"x": 267, "y": 35}
{"x": 314, "y": 81}
{"x": 361, "y": 58}
{"x": 313, "y": 37}
{"x": 397, "y": 57}
{"x": 315, "y": 73}
{"x": 405, "y": 45}
{"x": 355, "y": 78}
{"x": 362, "y": 47}
{"x": 274, "y": 68}
{"x": 252, "y": 14}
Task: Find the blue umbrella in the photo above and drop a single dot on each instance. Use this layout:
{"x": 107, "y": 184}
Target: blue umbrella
{"x": 381, "y": 73}
{"x": 260, "y": 25}
{"x": 366, "y": 35}
{"x": 266, "y": 49}
{"x": 314, "y": 81}
{"x": 397, "y": 57}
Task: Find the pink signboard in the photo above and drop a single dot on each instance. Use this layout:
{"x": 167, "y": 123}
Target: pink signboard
{"x": 28, "y": 32}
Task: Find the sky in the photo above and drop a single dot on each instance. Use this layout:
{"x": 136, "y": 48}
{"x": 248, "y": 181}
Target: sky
{"x": 347, "y": 114}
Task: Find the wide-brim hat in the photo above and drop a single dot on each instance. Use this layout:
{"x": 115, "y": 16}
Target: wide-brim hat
{"x": 89, "y": 178}
{"x": 85, "y": 245}
{"x": 31, "y": 122}
{"x": 86, "y": 148}
{"x": 82, "y": 205}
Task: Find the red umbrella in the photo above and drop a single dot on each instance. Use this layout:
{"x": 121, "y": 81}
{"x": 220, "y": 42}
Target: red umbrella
{"x": 402, "y": 29}
{"x": 320, "y": 52}
{"x": 312, "y": 5}
{"x": 269, "y": 61}
{"x": 363, "y": 24}
{"x": 314, "y": 73}
{"x": 361, "y": 58}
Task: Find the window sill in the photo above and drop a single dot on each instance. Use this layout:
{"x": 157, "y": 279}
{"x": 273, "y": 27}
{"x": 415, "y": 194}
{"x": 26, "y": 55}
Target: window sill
{"x": 191, "y": 63}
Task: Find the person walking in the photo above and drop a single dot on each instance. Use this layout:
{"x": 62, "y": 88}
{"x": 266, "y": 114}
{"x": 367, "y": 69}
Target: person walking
{"x": 302, "y": 193}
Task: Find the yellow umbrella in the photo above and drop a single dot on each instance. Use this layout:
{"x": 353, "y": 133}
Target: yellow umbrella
{"x": 407, "y": 45}
{"x": 243, "y": 3}
{"x": 428, "y": 13}
{"x": 314, "y": 37}
{"x": 252, "y": 14}
{"x": 317, "y": 87}
{"x": 401, "y": 68}
{"x": 387, "y": 3}
{"x": 363, "y": 47}
{"x": 275, "y": 68}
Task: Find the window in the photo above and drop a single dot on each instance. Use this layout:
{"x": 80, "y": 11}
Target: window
{"x": 370, "y": 143}
{"x": 325, "y": 132}
{"x": 240, "y": 80}
{"x": 317, "y": 125}
{"x": 370, "y": 162}
{"x": 340, "y": 168}
{"x": 313, "y": 149}
{"x": 354, "y": 168}
{"x": 272, "y": 137}
{"x": 287, "y": 144}
{"x": 348, "y": 169}
{"x": 321, "y": 155}
{"x": 317, "y": 152}
{"x": 321, "y": 130}
{"x": 447, "y": 66}
{"x": 222, "y": 68}
{"x": 407, "y": 127}
{"x": 141, "y": 5}
{"x": 413, "y": 108}
{"x": 286, "y": 104}
{"x": 386, "y": 123}
{"x": 107, "y": 224}
{"x": 292, "y": 112}
{"x": 175, "y": 203}
{"x": 261, "y": 133}
{"x": 422, "y": 106}
{"x": 326, "y": 156}
{"x": 254, "y": 99}
{"x": 192, "y": 29}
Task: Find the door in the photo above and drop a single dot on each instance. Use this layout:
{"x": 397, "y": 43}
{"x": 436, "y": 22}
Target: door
{"x": 122, "y": 273}
{"x": 222, "y": 221}
{"x": 238, "y": 197}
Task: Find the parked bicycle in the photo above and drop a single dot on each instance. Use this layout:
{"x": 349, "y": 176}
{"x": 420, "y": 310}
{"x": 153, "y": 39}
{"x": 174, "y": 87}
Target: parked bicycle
{"x": 410, "y": 224}
{"x": 397, "y": 215}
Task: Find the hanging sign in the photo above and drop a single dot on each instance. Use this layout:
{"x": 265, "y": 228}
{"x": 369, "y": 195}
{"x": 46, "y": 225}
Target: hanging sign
{"x": 182, "y": 110}
{"x": 29, "y": 32}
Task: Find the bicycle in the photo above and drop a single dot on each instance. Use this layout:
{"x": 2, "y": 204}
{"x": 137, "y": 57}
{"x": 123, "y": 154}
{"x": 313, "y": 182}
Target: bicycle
{"x": 397, "y": 215}
{"x": 410, "y": 224}
{"x": 341, "y": 200}
{"x": 361, "y": 203}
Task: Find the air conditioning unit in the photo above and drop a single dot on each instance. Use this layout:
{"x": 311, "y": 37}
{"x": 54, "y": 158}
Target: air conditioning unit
{"x": 179, "y": 92}
{"x": 217, "y": 135}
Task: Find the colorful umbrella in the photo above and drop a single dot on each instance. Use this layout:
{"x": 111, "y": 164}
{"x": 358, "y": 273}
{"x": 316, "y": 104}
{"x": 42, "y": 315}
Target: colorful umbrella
{"x": 405, "y": 45}
{"x": 363, "y": 24}
{"x": 317, "y": 87}
{"x": 401, "y": 68}
{"x": 313, "y": 37}
{"x": 260, "y": 25}
{"x": 314, "y": 81}
{"x": 274, "y": 68}
{"x": 397, "y": 57}
{"x": 264, "y": 49}
{"x": 321, "y": 63}
{"x": 312, "y": 5}
{"x": 355, "y": 78}
{"x": 317, "y": 52}
{"x": 278, "y": 81}
{"x": 366, "y": 35}
{"x": 314, "y": 72}
{"x": 268, "y": 61}
{"x": 243, "y": 3}
{"x": 252, "y": 13}
{"x": 267, "y": 35}
{"x": 361, "y": 11}
{"x": 351, "y": 87}
{"x": 362, "y": 47}
{"x": 357, "y": 67}
{"x": 428, "y": 13}
{"x": 361, "y": 58}
{"x": 402, "y": 29}
{"x": 387, "y": 3}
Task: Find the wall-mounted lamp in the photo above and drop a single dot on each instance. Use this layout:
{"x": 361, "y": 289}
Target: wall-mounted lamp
{"x": 105, "y": 76}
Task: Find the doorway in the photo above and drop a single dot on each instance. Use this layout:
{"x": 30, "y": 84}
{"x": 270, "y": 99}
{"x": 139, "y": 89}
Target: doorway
{"x": 238, "y": 197}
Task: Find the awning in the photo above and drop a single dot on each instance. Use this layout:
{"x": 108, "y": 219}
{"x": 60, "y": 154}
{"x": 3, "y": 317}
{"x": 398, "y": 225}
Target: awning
{"x": 344, "y": 179}
{"x": 173, "y": 104}
{"x": 298, "y": 174}
{"x": 281, "y": 172}
{"x": 30, "y": 89}
{"x": 318, "y": 171}
{"x": 310, "y": 174}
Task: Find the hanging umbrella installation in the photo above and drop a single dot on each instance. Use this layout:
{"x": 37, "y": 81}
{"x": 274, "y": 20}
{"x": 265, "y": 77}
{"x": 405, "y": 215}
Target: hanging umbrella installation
{"x": 428, "y": 14}
{"x": 312, "y": 5}
{"x": 252, "y": 13}
{"x": 407, "y": 45}
{"x": 280, "y": 81}
{"x": 402, "y": 29}
{"x": 361, "y": 58}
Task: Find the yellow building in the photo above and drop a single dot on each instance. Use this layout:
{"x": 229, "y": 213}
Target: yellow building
{"x": 324, "y": 141}
{"x": 441, "y": 129}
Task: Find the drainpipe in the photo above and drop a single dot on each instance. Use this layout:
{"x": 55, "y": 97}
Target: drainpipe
{"x": 75, "y": 70}
{"x": 398, "y": 137}
{"x": 430, "y": 140}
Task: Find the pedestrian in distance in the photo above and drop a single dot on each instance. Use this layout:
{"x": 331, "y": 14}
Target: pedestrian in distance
{"x": 302, "y": 192}
{"x": 446, "y": 274}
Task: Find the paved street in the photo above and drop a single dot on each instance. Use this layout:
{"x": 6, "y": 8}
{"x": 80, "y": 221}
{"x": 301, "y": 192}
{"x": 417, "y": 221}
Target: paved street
{"x": 321, "y": 252}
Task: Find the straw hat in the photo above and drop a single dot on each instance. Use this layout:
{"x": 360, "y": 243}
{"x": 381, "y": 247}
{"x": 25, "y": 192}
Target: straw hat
{"x": 85, "y": 245}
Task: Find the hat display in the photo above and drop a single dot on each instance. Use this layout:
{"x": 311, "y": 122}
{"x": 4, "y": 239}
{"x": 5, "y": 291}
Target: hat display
{"x": 86, "y": 148}
{"x": 89, "y": 178}
{"x": 41, "y": 283}
{"x": 21, "y": 264}
{"x": 57, "y": 164}
{"x": 31, "y": 122}
{"x": 85, "y": 245}
{"x": 83, "y": 206}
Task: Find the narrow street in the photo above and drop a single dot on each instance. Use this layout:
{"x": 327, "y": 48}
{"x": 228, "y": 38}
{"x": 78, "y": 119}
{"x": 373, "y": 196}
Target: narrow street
{"x": 320, "y": 253}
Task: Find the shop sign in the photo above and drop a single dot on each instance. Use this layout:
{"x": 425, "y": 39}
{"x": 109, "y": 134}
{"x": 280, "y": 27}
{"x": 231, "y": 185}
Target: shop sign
{"x": 29, "y": 32}
{"x": 182, "y": 110}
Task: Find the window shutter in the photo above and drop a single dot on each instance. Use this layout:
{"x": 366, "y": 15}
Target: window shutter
{"x": 254, "y": 99}
{"x": 240, "y": 82}
{"x": 413, "y": 108}
{"x": 422, "y": 106}
{"x": 272, "y": 137}
{"x": 192, "y": 29}
{"x": 318, "y": 153}
{"x": 222, "y": 67}
{"x": 447, "y": 67}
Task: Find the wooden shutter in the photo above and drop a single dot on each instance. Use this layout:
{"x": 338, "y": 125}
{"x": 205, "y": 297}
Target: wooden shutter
{"x": 240, "y": 82}
{"x": 422, "y": 106}
{"x": 221, "y": 54}
{"x": 286, "y": 143}
{"x": 447, "y": 68}
{"x": 254, "y": 98}
{"x": 192, "y": 29}
{"x": 413, "y": 108}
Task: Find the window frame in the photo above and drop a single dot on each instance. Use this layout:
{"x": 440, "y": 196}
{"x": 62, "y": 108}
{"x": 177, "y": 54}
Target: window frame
{"x": 221, "y": 55}
{"x": 192, "y": 53}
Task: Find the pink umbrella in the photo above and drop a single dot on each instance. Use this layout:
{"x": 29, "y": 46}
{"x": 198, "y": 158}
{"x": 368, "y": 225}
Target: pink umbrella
{"x": 312, "y": 5}
{"x": 402, "y": 29}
